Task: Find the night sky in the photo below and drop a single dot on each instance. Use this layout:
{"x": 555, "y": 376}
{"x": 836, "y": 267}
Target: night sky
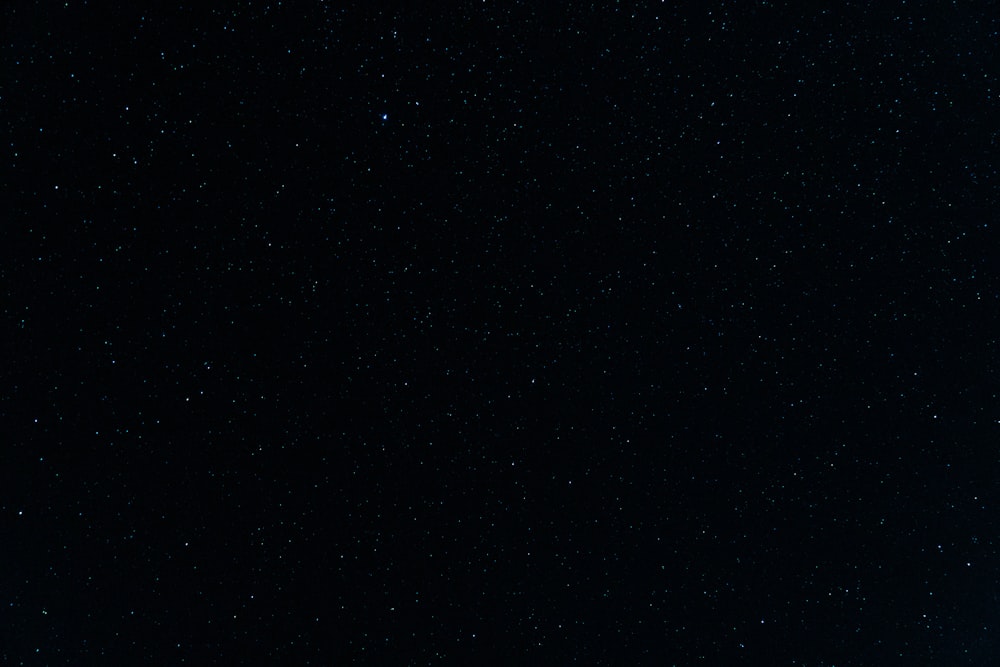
{"x": 516, "y": 333}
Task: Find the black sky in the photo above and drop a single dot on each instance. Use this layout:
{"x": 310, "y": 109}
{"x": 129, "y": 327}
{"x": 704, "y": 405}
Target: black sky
{"x": 499, "y": 333}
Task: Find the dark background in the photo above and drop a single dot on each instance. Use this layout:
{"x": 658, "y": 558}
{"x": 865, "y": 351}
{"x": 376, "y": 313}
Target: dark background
{"x": 499, "y": 333}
